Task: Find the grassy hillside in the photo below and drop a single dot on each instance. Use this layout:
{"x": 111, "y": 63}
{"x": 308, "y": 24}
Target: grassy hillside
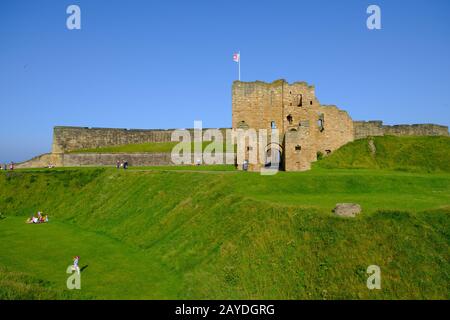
{"x": 22, "y": 286}
{"x": 389, "y": 152}
{"x": 232, "y": 235}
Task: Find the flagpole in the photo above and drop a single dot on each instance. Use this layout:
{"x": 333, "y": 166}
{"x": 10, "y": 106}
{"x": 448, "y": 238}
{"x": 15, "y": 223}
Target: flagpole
{"x": 239, "y": 65}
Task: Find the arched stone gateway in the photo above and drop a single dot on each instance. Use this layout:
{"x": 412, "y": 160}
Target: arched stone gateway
{"x": 273, "y": 156}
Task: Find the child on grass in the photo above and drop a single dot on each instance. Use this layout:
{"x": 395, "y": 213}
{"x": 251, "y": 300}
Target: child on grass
{"x": 75, "y": 264}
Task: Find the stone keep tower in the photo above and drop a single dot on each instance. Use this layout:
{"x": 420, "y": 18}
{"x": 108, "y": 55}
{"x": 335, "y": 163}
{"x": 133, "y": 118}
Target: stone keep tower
{"x": 305, "y": 127}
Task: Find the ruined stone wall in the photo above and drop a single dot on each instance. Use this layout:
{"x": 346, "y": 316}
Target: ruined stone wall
{"x": 363, "y": 129}
{"x": 337, "y": 129}
{"x": 74, "y": 138}
{"x": 416, "y": 130}
{"x": 110, "y": 159}
{"x": 106, "y": 159}
{"x": 314, "y": 128}
{"x": 299, "y": 150}
{"x": 95, "y": 159}
{"x": 41, "y": 161}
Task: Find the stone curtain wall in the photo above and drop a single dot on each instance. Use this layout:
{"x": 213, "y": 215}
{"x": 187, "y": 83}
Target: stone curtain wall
{"x": 104, "y": 159}
{"x": 416, "y": 130}
{"x": 133, "y": 159}
{"x": 67, "y": 139}
{"x": 363, "y": 129}
{"x": 110, "y": 159}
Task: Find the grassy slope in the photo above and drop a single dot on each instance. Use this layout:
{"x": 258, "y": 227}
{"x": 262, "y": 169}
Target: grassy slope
{"x": 399, "y": 153}
{"x": 162, "y": 234}
{"x": 21, "y": 286}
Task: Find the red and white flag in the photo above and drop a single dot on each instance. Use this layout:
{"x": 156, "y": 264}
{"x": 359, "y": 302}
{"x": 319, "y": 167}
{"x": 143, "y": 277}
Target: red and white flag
{"x": 236, "y": 57}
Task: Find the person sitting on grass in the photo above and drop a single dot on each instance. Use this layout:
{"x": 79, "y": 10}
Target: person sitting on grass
{"x": 32, "y": 219}
{"x": 39, "y": 219}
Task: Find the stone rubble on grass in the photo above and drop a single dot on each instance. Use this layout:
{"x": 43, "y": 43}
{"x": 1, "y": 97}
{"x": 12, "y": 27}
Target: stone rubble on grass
{"x": 347, "y": 209}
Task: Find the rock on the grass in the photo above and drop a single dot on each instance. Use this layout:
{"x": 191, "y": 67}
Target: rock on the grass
{"x": 347, "y": 209}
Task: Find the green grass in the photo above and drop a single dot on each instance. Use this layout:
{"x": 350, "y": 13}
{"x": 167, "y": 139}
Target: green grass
{"x": 152, "y": 147}
{"x": 21, "y": 286}
{"x": 398, "y": 153}
{"x": 209, "y": 168}
{"x": 201, "y": 168}
{"x": 179, "y": 234}
{"x": 196, "y": 232}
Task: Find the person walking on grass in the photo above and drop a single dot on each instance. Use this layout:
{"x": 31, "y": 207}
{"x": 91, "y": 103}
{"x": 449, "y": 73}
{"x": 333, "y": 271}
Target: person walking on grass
{"x": 75, "y": 266}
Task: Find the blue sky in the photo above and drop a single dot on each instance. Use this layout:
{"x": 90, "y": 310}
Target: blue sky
{"x": 164, "y": 64}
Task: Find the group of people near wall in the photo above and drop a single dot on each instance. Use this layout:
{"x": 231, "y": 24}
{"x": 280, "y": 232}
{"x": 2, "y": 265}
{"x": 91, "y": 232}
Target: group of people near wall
{"x": 38, "y": 218}
{"x": 7, "y": 167}
{"x": 122, "y": 164}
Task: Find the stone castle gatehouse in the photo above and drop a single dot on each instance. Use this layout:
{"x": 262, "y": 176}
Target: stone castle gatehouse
{"x": 305, "y": 127}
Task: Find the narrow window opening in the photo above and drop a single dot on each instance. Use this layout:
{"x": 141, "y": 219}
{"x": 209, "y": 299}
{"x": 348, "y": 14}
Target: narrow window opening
{"x": 298, "y": 148}
{"x": 289, "y": 119}
{"x": 320, "y": 124}
{"x": 299, "y": 100}
{"x": 273, "y": 125}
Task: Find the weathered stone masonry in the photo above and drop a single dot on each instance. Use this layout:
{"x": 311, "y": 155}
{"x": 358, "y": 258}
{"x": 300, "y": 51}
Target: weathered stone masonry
{"x": 305, "y": 127}
{"x": 364, "y": 129}
{"x": 66, "y": 139}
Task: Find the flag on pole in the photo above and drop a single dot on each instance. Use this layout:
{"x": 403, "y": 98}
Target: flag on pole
{"x": 237, "y": 58}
